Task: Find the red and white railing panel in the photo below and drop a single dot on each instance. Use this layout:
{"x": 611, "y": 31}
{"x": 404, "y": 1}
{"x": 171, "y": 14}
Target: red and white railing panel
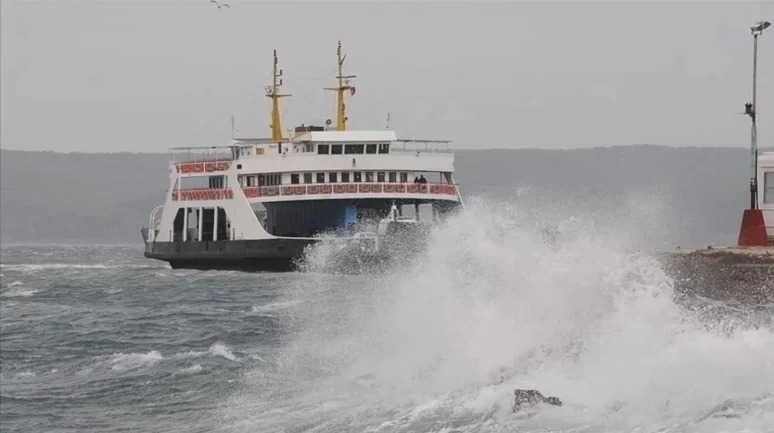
{"x": 202, "y": 167}
{"x": 349, "y": 188}
{"x": 203, "y": 194}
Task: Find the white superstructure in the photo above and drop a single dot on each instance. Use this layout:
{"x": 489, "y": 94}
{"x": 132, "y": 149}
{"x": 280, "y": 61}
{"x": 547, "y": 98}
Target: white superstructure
{"x": 246, "y": 181}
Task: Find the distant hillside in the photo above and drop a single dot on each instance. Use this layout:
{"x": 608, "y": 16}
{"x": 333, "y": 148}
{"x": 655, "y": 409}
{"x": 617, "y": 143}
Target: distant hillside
{"x": 683, "y": 195}
{"x": 47, "y": 196}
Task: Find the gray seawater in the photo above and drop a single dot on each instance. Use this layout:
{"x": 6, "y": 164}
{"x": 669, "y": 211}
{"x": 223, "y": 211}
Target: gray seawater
{"x": 98, "y": 338}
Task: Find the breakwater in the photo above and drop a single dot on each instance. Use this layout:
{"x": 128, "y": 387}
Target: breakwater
{"x": 742, "y": 275}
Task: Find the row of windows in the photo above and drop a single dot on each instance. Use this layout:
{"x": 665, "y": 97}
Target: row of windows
{"x": 353, "y": 149}
{"x": 356, "y": 176}
{"x": 262, "y": 180}
{"x": 321, "y": 177}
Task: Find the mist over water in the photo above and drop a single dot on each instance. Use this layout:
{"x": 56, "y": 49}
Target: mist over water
{"x": 441, "y": 344}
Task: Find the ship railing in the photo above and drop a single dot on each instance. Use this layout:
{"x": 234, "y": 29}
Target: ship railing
{"x": 153, "y": 223}
{"x": 155, "y": 216}
{"x": 179, "y": 155}
{"x": 369, "y": 188}
{"x": 351, "y": 188}
{"x": 202, "y": 194}
{"x": 421, "y": 146}
{"x": 307, "y": 149}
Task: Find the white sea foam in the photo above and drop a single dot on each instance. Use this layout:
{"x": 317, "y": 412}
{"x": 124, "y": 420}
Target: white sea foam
{"x": 19, "y": 293}
{"x": 221, "y": 350}
{"x": 216, "y": 349}
{"x": 194, "y": 369}
{"x": 15, "y": 289}
{"x": 130, "y": 361}
{"x": 490, "y": 308}
{"x": 274, "y": 307}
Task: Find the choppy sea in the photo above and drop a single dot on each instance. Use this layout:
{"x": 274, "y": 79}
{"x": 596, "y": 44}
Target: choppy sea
{"x": 100, "y": 339}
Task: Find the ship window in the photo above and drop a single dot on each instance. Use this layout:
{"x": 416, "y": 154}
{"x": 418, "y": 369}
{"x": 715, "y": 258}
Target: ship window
{"x": 354, "y": 149}
{"x": 393, "y": 176}
{"x": 322, "y": 149}
{"x": 370, "y": 148}
{"x": 261, "y": 180}
{"x": 344, "y": 176}
{"x": 369, "y": 176}
{"x": 384, "y": 148}
{"x": 208, "y": 224}
{"x": 294, "y": 178}
{"x": 216, "y": 182}
{"x": 224, "y": 225}
{"x": 358, "y": 176}
{"x": 307, "y": 177}
{"x": 404, "y": 177}
{"x": 380, "y": 176}
{"x": 332, "y": 177}
{"x": 336, "y": 149}
{"x": 768, "y": 187}
{"x": 320, "y": 177}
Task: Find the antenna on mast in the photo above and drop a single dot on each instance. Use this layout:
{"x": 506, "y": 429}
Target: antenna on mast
{"x": 341, "y": 111}
{"x": 272, "y": 92}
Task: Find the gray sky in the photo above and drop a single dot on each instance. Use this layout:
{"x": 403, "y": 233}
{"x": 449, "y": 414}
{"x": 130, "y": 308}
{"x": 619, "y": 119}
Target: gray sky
{"x": 147, "y": 75}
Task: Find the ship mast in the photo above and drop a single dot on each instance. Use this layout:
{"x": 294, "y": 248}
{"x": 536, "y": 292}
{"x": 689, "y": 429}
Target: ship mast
{"x": 341, "y": 111}
{"x": 272, "y": 92}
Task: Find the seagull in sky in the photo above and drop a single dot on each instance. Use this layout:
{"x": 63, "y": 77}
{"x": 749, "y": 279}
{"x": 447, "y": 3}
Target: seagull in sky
{"x": 220, "y": 4}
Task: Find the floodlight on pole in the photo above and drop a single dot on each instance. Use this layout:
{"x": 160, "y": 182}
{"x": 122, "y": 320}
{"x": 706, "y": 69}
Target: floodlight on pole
{"x": 762, "y": 25}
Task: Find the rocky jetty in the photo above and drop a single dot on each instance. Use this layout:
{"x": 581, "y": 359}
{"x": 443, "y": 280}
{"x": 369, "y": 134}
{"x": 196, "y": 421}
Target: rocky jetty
{"x": 742, "y": 275}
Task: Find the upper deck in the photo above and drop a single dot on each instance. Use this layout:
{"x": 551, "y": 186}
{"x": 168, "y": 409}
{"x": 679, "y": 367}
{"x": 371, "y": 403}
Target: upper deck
{"x": 318, "y": 151}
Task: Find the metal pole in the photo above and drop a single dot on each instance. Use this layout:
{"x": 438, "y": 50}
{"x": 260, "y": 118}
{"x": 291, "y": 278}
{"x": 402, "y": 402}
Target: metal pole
{"x": 755, "y": 69}
{"x": 754, "y": 131}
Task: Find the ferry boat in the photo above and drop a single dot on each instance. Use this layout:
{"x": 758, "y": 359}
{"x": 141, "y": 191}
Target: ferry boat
{"x": 259, "y": 203}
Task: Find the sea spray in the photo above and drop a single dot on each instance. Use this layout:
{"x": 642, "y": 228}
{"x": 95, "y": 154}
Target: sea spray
{"x": 490, "y": 307}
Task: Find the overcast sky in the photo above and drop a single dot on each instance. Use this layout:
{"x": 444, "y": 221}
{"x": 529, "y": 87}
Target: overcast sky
{"x": 147, "y": 75}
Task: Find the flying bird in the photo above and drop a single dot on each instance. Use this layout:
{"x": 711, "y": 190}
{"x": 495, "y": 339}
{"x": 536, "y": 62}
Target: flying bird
{"x": 220, "y": 4}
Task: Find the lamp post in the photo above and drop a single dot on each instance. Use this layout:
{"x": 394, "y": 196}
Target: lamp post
{"x": 749, "y": 109}
{"x": 753, "y": 231}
